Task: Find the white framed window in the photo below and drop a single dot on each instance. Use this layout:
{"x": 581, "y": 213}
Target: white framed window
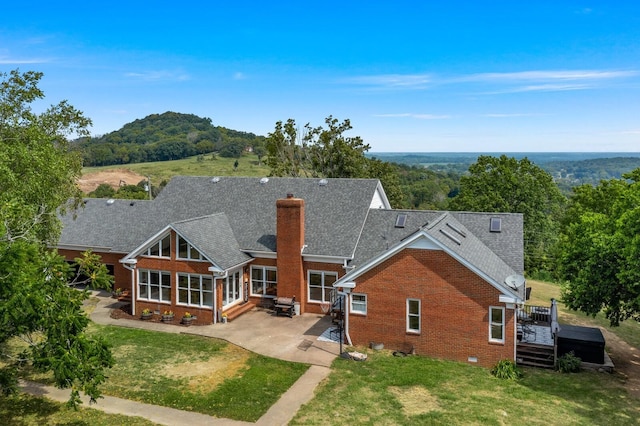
{"x": 496, "y": 324}
{"x": 264, "y": 281}
{"x": 161, "y": 248}
{"x": 359, "y": 303}
{"x": 413, "y": 315}
{"x": 320, "y": 284}
{"x": 232, "y": 289}
{"x": 154, "y": 285}
{"x": 187, "y": 251}
{"x": 195, "y": 290}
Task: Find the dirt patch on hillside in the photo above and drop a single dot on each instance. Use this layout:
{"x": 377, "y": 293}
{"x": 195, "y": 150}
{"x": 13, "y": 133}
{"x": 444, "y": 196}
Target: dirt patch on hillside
{"x": 114, "y": 177}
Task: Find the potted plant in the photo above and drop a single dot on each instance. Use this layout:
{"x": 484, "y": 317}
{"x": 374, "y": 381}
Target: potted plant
{"x": 224, "y": 317}
{"x": 147, "y": 314}
{"x": 167, "y": 316}
{"x": 187, "y": 318}
{"x": 117, "y": 293}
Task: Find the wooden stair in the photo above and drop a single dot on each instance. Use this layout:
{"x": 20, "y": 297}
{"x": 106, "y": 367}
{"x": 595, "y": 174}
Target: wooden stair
{"x": 532, "y": 355}
{"x": 236, "y": 311}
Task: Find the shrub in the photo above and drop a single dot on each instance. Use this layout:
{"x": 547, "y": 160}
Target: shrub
{"x": 506, "y": 369}
{"x": 568, "y": 363}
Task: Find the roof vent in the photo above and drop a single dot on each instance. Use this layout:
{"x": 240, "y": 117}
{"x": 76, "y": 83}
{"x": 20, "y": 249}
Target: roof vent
{"x": 133, "y": 203}
{"x": 110, "y": 201}
{"x": 264, "y": 180}
{"x": 215, "y": 179}
{"x": 323, "y": 182}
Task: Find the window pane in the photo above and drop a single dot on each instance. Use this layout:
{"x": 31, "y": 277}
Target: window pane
{"x": 315, "y": 293}
{"x": 327, "y": 294}
{"x": 496, "y": 315}
{"x": 496, "y": 332}
{"x": 143, "y": 291}
{"x": 166, "y": 280}
{"x": 414, "y": 307}
{"x": 183, "y": 281}
{"x": 208, "y": 299}
{"x": 166, "y": 246}
{"x": 154, "y": 250}
{"x": 154, "y": 278}
{"x": 194, "y": 254}
{"x": 315, "y": 279}
{"x": 143, "y": 276}
{"x": 329, "y": 279}
{"x": 183, "y": 296}
{"x": 207, "y": 284}
{"x": 155, "y": 293}
{"x": 272, "y": 275}
{"x": 165, "y": 294}
{"x": 182, "y": 248}
{"x": 195, "y": 297}
{"x": 257, "y": 274}
{"x": 271, "y": 289}
{"x": 414, "y": 323}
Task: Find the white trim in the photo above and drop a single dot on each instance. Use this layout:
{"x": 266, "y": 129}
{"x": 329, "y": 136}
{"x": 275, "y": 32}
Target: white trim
{"x": 414, "y": 239}
{"x": 323, "y": 285}
{"x": 407, "y": 316}
{"x": 502, "y": 325}
{"x": 262, "y": 254}
{"x": 355, "y": 311}
{"x": 99, "y": 249}
{"x": 338, "y": 260}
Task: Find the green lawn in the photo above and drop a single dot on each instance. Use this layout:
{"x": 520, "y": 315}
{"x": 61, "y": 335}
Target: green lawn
{"x": 27, "y": 410}
{"x": 389, "y": 390}
{"x": 418, "y": 390}
{"x": 248, "y": 165}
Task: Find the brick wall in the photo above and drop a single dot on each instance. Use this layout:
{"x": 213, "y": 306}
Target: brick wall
{"x": 454, "y": 308}
{"x": 290, "y": 239}
{"x": 121, "y": 275}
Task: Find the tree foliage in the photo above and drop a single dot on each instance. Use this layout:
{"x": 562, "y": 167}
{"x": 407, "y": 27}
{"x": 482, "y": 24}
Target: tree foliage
{"x": 161, "y": 137}
{"x": 504, "y": 184}
{"x": 326, "y": 152}
{"x": 599, "y": 249}
{"x": 38, "y": 174}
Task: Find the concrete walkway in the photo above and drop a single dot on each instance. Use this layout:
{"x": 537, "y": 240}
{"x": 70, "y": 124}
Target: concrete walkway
{"x": 292, "y": 339}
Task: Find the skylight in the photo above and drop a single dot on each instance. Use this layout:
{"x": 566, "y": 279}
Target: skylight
{"x": 495, "y": 224}
{"x": 401, "y": 220}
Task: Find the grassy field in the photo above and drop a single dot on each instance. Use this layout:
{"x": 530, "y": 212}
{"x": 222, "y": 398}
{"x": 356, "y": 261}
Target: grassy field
{"x": 248, "y": 165}
{"x": 192, "y": 373}
{"x": 416, "y": 390}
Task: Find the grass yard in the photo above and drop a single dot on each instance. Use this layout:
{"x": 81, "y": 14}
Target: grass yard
{"x": 417, "y": 390}
{"x": 26, "y": 410}
{"x": 195, "y": 373}
{"x": 390, "y": 390}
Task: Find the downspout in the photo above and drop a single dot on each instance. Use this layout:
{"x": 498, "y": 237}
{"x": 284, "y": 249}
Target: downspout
{"x": 130, "y": 264}
{"x": 346, "y": 319}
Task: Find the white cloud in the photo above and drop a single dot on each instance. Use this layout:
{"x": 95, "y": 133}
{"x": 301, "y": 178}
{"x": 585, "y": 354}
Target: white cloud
{"x": 15, "y": 61}
{"x": 416, "y": 116}
{"x": 394, "y": 80}
{"x": 239, "y": 76}
{"x": 162, "y": 75}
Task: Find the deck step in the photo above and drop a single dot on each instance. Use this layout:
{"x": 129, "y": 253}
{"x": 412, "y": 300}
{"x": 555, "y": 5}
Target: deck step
{"x": 535, "y": 355}
{"x": 236, "y": 311}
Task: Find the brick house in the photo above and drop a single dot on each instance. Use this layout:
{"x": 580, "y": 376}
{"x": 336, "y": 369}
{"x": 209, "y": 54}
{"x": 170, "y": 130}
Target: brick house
{"x": 440, "y": 282}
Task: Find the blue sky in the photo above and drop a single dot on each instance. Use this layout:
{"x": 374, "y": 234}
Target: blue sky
{"x": 412, "y": 76}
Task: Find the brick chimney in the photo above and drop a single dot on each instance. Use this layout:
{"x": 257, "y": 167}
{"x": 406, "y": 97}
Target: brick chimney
{"x": 289, "y": 243}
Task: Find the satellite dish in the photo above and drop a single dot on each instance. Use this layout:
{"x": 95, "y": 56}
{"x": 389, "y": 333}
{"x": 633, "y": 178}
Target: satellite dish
{"x": 515, "y": 281}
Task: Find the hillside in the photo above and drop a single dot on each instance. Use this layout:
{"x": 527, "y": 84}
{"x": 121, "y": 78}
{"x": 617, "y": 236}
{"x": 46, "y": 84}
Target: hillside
{"x": 167, "y": 136}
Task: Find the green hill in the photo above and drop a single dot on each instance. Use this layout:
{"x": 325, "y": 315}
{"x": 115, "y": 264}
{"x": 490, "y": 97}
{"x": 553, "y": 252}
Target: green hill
{"x": 167, "y": 136}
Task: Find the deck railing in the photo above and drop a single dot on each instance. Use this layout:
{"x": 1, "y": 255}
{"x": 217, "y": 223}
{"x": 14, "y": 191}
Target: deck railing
{"x": 539, "y": 315}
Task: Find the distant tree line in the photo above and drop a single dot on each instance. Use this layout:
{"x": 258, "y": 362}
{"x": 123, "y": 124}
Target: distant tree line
{"x": 167, "y": 136}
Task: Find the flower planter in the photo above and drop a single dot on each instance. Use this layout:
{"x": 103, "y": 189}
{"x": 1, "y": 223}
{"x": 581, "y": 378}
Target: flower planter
{"x": 187, "y": 320}
{"x": 167, "y": 318}
{"x": 147, "y": 316}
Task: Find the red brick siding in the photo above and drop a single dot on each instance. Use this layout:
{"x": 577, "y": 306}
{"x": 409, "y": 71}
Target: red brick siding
{"x": 314, "y": 307}
{"x": 454, "y": 308}
{"x": 290, "y": 239}
{"x": 121, "y": 275}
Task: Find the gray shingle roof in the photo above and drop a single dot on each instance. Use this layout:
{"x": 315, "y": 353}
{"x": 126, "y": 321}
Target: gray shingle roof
{"x": 213, "y": 236}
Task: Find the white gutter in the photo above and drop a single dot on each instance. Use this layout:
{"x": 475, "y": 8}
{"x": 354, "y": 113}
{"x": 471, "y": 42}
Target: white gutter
{"x": 130, "y": 264}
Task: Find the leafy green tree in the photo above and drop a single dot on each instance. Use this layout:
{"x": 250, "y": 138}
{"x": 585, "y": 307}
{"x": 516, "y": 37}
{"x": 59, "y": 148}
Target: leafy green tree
{"x": 104, "y": 190}
{"x": 599, "y": 249}
{"x": 38, "y": 174}
{"x": 504, "y": 184}
{"x": 326, "y": 152}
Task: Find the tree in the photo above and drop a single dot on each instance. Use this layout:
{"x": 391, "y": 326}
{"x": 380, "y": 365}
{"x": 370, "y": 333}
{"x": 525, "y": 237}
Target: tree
{"x": 504, "y": 184}
{"x": 599, "y": 249}
{"x": 38, "y": 174}
{"x": 326, "y": 152}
